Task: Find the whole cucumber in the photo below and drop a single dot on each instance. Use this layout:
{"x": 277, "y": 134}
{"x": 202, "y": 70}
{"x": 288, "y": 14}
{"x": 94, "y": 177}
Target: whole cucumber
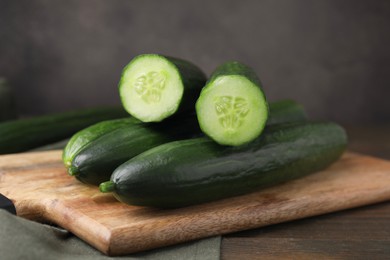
{"x": 95, "y": 161}
{"x": 25, "y": 134}
{"x": 198, "y": 170}
{"x": 90, "y": 134}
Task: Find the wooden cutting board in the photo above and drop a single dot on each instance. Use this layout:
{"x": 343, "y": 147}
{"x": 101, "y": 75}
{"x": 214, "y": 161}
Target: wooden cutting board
{"x": 42, "y": 191}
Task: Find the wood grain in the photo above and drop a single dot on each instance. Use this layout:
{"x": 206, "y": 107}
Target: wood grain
{"x": 360, "y": 233}
{"x": 41, "y": 190}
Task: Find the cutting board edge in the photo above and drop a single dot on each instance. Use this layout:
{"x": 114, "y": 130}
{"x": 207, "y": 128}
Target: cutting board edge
{"x": 117, "y": 248}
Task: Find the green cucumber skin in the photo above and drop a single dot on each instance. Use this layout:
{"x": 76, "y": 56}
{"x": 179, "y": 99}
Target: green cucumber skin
{"x": 60, "y": 145}
{"x": 192, "y": 77}
{"x": 95, "y": 160}
{"x": 233, "y": 68}
{"x": 25, "y": 134}
{"x": 194, "y": 171}
{"x": 91, "y": 133}
{"x": 286, "y": 111}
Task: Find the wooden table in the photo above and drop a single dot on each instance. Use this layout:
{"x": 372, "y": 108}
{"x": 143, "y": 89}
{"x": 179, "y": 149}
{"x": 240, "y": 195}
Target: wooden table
{"x": 361, "y": 233}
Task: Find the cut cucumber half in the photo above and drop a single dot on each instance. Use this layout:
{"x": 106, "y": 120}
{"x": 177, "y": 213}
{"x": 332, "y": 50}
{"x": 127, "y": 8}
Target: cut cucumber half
{"x": 154, "y": 87}
{"x": 232, "y": 108}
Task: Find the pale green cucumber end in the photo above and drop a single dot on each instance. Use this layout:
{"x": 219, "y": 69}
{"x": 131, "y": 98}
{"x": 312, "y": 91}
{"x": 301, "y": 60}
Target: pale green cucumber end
{"x": 151, "y": 88}
{"x": 67, "y": 163}
{"x": 73, "y": 171}
{"x": 108, "y": 186}
{"x": 232, "y": 110}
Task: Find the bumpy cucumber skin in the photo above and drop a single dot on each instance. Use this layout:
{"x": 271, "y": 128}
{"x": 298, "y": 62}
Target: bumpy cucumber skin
{"x": 232, "y": 68}
{"x": 94, "y": 161}
{"x": 24, "y": 134}
{"x": 91, "y": 133}
{"x": 194, "y": 171}
{"x": 192, "y": 78}
{"x": 286, "y": 111}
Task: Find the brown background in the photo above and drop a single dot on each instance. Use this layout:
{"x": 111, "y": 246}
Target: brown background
{"x": 333, "y": 56}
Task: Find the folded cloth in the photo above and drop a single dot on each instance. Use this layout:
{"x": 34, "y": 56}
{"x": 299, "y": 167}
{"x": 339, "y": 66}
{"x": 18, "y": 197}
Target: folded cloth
{"x": 24, "y": 239}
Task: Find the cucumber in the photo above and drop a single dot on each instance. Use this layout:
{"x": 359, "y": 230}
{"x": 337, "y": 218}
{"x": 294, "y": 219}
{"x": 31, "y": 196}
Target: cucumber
{"x": 52, "y": 146}
{"x": 286, "y": 111}
{"x": 7, "y": 105}
{"x": 232, "y": 108}
{"x": 198, "y": 170}
{"x": 91, "y": 133}
{"x": 154, "y": 87}
{"x": 95, "y": 162}
{"x": 25, "y": 134}
{"x": 92, "y": 160}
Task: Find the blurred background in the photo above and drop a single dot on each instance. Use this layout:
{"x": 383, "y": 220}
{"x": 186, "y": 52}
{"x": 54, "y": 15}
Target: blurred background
{"x": 332, "y": 56}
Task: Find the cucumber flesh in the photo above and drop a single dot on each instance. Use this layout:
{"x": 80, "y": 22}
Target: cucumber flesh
{"x": 232, "y": 108}
{"x": 152, "y": 86}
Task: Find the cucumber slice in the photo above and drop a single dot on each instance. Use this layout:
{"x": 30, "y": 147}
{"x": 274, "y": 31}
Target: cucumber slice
{"x": 154, "y": 87}
{"x": 232, "y": 108}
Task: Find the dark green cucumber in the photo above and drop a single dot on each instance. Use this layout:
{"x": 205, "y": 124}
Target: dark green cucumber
{"x": 154, "y": 87}
{"x": 198, "y": 170}
{"x": 286, "y": 111}
{"x": 91, "y": 133}
{"x": 95, "y": 162}
{"x": 232, "y": 108}
{"x": 52, "y": 146}
{"x": 24, "y": 134}
{"x": 92, "y": 160}
{"x": 7, "y": 105}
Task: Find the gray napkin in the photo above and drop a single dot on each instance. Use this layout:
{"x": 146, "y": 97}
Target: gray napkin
{"x": 24, "y": 239}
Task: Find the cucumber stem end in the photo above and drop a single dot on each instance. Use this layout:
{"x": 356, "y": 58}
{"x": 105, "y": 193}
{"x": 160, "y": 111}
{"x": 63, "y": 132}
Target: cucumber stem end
{"x": 73, "y": 171}
{"x": 107, "y": 186}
